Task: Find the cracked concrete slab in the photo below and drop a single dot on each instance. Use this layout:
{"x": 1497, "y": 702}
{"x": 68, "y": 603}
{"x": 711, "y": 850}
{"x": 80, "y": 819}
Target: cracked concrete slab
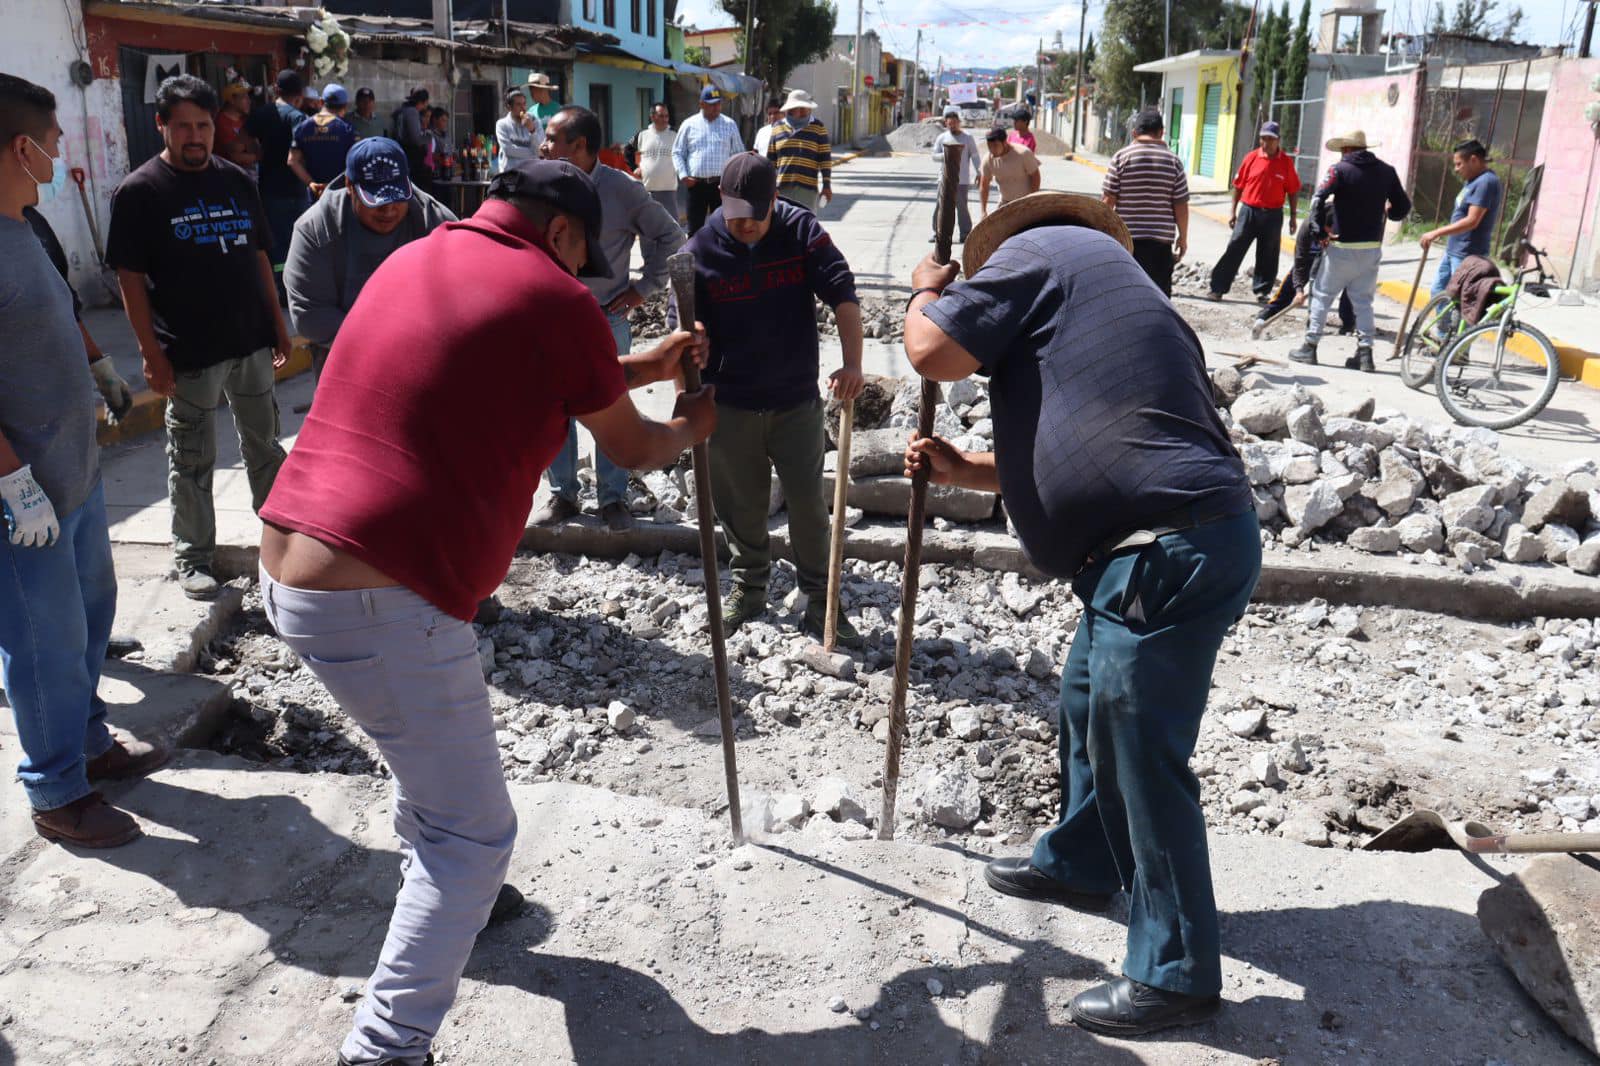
{"x": 239, "y": 931}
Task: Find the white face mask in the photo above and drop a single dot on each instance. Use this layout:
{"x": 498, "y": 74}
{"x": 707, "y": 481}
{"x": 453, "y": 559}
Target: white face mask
{"x": 49, "y": 180}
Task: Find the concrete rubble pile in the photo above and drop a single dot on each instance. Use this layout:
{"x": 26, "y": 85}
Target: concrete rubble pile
{"x": 599, "y": 674}
{"x": 1332, "y": 472}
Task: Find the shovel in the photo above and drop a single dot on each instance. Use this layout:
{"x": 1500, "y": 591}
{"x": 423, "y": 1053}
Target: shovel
{"x": 107, "y": 275}
{"x": 1426, "y": 830}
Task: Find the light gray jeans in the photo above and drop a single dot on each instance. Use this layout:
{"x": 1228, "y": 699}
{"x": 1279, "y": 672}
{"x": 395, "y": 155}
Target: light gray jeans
{"x": 409, "y": 675}
{"x": 1348, "y": 270}
{"x": 668, "y": 198}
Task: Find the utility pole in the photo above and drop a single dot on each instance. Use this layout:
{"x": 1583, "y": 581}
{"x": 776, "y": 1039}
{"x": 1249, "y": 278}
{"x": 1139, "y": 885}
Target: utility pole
{"x": 855, "y": 77}
{"x": 1077, "y": 89}
{"x": 937, "y": 79}
{"x": 749, "y": 32}
{"x": 916, "y": 75}
{"x": 1588, "y": 32}
{"x": 1166, "y": 31}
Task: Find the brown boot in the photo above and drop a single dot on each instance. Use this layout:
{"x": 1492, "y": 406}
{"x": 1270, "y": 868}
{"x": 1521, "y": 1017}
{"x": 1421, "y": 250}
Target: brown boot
{"x": 89, "y": 822}
{"x": 128, "y": 758}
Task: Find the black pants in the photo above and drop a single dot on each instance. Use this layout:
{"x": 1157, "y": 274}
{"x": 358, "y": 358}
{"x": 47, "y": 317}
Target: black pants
{"x": 1262, "y": 227}
{"x": 705, "y": 196}
{"x": 1155, "y": 257}
{"x": 1285, "y": 296}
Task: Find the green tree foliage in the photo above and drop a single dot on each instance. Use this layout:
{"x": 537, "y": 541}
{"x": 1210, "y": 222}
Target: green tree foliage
{"x": 1271, "y": 46}
{"x": 789, "y": 33}
{"x": 1299, "y": 60}
{"x": 1132, "y": 33}
{"x": 1476, "y": 18}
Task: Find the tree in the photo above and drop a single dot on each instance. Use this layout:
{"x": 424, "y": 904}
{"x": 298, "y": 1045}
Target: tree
{"x": 788, "y": 34}
{"x": 1132, "y": 34}
{"x": 1270, "y": 46}
{"x": 1299, "y": 59}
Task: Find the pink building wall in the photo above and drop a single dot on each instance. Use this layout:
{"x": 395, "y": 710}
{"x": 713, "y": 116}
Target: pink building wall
{"x": 1385, "y": 108}
{"x": 1564, "y": 221}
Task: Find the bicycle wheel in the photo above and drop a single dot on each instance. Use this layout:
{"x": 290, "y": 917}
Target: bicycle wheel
{"x": 1429, "y": 332}
{"x": 1484, "y": 382}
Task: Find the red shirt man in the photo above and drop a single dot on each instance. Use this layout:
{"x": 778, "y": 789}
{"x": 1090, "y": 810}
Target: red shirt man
{"x": 401, "y": 507}
{"x": 1266, "y": 179}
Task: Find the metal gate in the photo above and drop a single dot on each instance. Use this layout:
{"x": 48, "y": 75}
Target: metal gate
{"x": 1210, "y": 116}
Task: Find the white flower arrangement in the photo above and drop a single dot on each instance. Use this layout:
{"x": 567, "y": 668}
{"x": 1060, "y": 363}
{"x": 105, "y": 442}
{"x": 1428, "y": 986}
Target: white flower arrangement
{"x": 329, "y": 46}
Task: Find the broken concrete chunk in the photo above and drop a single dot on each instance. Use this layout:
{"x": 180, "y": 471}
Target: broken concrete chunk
{"x": 1378, "y": 540}
{"x": 1420, "y": 532}
{"x": 1264, "y": 411}
{"x": 949, "y": 797}
{"x": 1521, "y": 545}
{"x": 1558, "y": 541}
{"x": 1556, "y": 502}
{"x": 1585, "y": 558}
{"x": 1305, "y": 425}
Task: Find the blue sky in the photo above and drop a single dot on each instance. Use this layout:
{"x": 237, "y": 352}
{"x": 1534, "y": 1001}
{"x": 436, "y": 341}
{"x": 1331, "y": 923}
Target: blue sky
{"x": 1004, "y": 32}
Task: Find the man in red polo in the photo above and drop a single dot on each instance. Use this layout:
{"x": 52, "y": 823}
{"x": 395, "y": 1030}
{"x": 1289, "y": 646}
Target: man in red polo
{"x": 401, "y": 507}
{"x": 1265, "y": 180}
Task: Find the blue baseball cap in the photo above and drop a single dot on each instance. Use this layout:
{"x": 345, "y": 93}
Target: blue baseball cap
{"x": 710, "y": 95}
{"x": 334, "y": 95}
{"x": 376, "y": 169}
{"x": 1270, "y": 129}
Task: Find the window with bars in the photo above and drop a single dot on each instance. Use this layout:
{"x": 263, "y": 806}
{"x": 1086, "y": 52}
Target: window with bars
{"x": 635, "y": 17}
{"x": 608, "y": 10}
{"x": 650, "y": 17}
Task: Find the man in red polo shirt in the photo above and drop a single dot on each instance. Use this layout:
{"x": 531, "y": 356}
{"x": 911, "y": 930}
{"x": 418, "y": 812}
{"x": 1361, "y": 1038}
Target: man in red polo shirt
{"x": 1265, "y": 180}
{"x": 401, "y": 507}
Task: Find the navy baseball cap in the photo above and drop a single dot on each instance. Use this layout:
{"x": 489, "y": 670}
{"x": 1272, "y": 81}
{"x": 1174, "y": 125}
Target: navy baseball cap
{"x": 1270, "y": 129}
{"x": 569, "y": 190}
{"x": 334, "y": 95}
{"x": 749, "y": 182}
{"x": 376, "y": 169}
{"x": 710, "y": 95}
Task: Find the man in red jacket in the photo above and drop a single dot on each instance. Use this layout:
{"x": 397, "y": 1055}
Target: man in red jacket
{"x": 1266, "y": 179}
{"x": 400, "y": 509}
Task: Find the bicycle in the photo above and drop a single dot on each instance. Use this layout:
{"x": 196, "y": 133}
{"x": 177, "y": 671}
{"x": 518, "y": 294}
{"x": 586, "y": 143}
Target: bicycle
{"x": 1479, "y": 386}
{"x": 1439, "y": 324}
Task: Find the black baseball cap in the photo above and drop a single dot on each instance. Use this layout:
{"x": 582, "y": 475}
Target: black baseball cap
{"x": 290, "y": 83}
{"x": 569, "y": 190}
{"x": 749, "y": 182}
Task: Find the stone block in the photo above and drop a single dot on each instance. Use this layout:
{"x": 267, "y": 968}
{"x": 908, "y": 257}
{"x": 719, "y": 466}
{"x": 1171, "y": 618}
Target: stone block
{"x": 1378, "y": 540}
{"x": 888, "y": 495}
{"x": 1545, "y": 923}
{"x": 1264, "y": 411}
{"x": 1521, "y": 545}
{"x": 1556, "y": 502}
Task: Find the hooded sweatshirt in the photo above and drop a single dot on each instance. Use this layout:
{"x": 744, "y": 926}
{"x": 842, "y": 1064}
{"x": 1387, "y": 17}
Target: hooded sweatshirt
{"x": 758, "y": 307}
{"x": 332, "y": 255}
{"x": 1362, "y": 187}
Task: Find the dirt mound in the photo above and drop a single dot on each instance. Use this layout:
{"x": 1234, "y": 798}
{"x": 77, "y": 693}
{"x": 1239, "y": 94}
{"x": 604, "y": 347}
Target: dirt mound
{"x": 915, "y": 136}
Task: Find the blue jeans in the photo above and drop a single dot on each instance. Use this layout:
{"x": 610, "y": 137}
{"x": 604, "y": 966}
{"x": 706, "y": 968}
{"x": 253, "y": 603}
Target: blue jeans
{"x": 611, "y": 481}
{"x": 1132, "y": 695}
{"x": 1447, "y": 269}
{"x": 56, "y": 608}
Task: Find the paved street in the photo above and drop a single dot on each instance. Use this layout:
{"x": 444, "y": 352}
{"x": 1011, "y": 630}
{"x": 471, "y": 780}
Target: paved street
{"x": 241, "y": 930}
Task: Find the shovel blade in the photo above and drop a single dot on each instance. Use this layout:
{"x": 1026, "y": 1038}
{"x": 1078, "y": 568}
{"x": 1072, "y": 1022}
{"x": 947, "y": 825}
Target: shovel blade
{"x": 1421, "y": 830}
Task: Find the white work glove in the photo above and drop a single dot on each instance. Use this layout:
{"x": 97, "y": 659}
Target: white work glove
{"x": 115, "y": 391}
{"x": 28, "y": 511}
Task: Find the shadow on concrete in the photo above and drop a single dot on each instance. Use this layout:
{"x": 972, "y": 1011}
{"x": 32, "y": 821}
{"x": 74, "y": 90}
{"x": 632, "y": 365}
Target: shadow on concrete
{"x": 6, "y": 1057}
{"x": 248, "y": 856}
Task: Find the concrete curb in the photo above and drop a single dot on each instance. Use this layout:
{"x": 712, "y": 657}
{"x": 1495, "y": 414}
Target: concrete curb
{"x": 1509, "y": 593}
{"x": 149, "y": 409}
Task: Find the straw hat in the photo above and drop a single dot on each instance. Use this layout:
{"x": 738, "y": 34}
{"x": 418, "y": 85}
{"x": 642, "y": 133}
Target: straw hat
{"x": 1353, "y": 139}
{"x": 799, "y": 98}
{"x": 1039, "y": 209}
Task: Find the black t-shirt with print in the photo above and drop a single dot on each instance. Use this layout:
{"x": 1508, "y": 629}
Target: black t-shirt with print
{"x": 195, "y": 235}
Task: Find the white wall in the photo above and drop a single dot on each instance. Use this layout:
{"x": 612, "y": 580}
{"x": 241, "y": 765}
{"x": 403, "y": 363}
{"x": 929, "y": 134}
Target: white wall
{"x": 39, "y": 42}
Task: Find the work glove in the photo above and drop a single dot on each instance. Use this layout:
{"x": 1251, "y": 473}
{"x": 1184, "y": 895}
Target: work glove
{"x": 115, "y": 391}
{"x": 29, "y": 514}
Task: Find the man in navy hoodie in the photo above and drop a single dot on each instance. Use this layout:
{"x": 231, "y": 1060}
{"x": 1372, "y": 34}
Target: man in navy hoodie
{"x": 760, "y": 263}
{"x": 1365, "y": 191}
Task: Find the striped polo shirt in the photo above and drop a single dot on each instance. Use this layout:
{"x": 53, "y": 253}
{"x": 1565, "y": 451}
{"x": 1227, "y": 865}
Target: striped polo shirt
{"x": 1148, "y": 180}
{"x": 804, "y": 156}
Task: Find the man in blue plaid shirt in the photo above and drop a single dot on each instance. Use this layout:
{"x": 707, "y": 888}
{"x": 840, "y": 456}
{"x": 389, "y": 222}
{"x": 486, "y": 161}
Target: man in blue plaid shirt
{"x": 705, "y": 144}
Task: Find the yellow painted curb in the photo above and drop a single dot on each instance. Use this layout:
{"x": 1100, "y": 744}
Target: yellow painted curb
{"x": 1091, "y": 164}
{"x": 149, "y": 410}
{"x": 1576, "y": 363}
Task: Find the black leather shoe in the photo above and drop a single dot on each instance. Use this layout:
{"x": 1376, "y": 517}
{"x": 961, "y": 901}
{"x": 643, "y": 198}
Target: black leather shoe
{"x": 1019, "y": 877}
{"x": 1125, "y": 1007}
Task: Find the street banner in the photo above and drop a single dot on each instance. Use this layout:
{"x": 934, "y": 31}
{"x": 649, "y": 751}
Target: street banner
{"x": 964, "y": 92}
